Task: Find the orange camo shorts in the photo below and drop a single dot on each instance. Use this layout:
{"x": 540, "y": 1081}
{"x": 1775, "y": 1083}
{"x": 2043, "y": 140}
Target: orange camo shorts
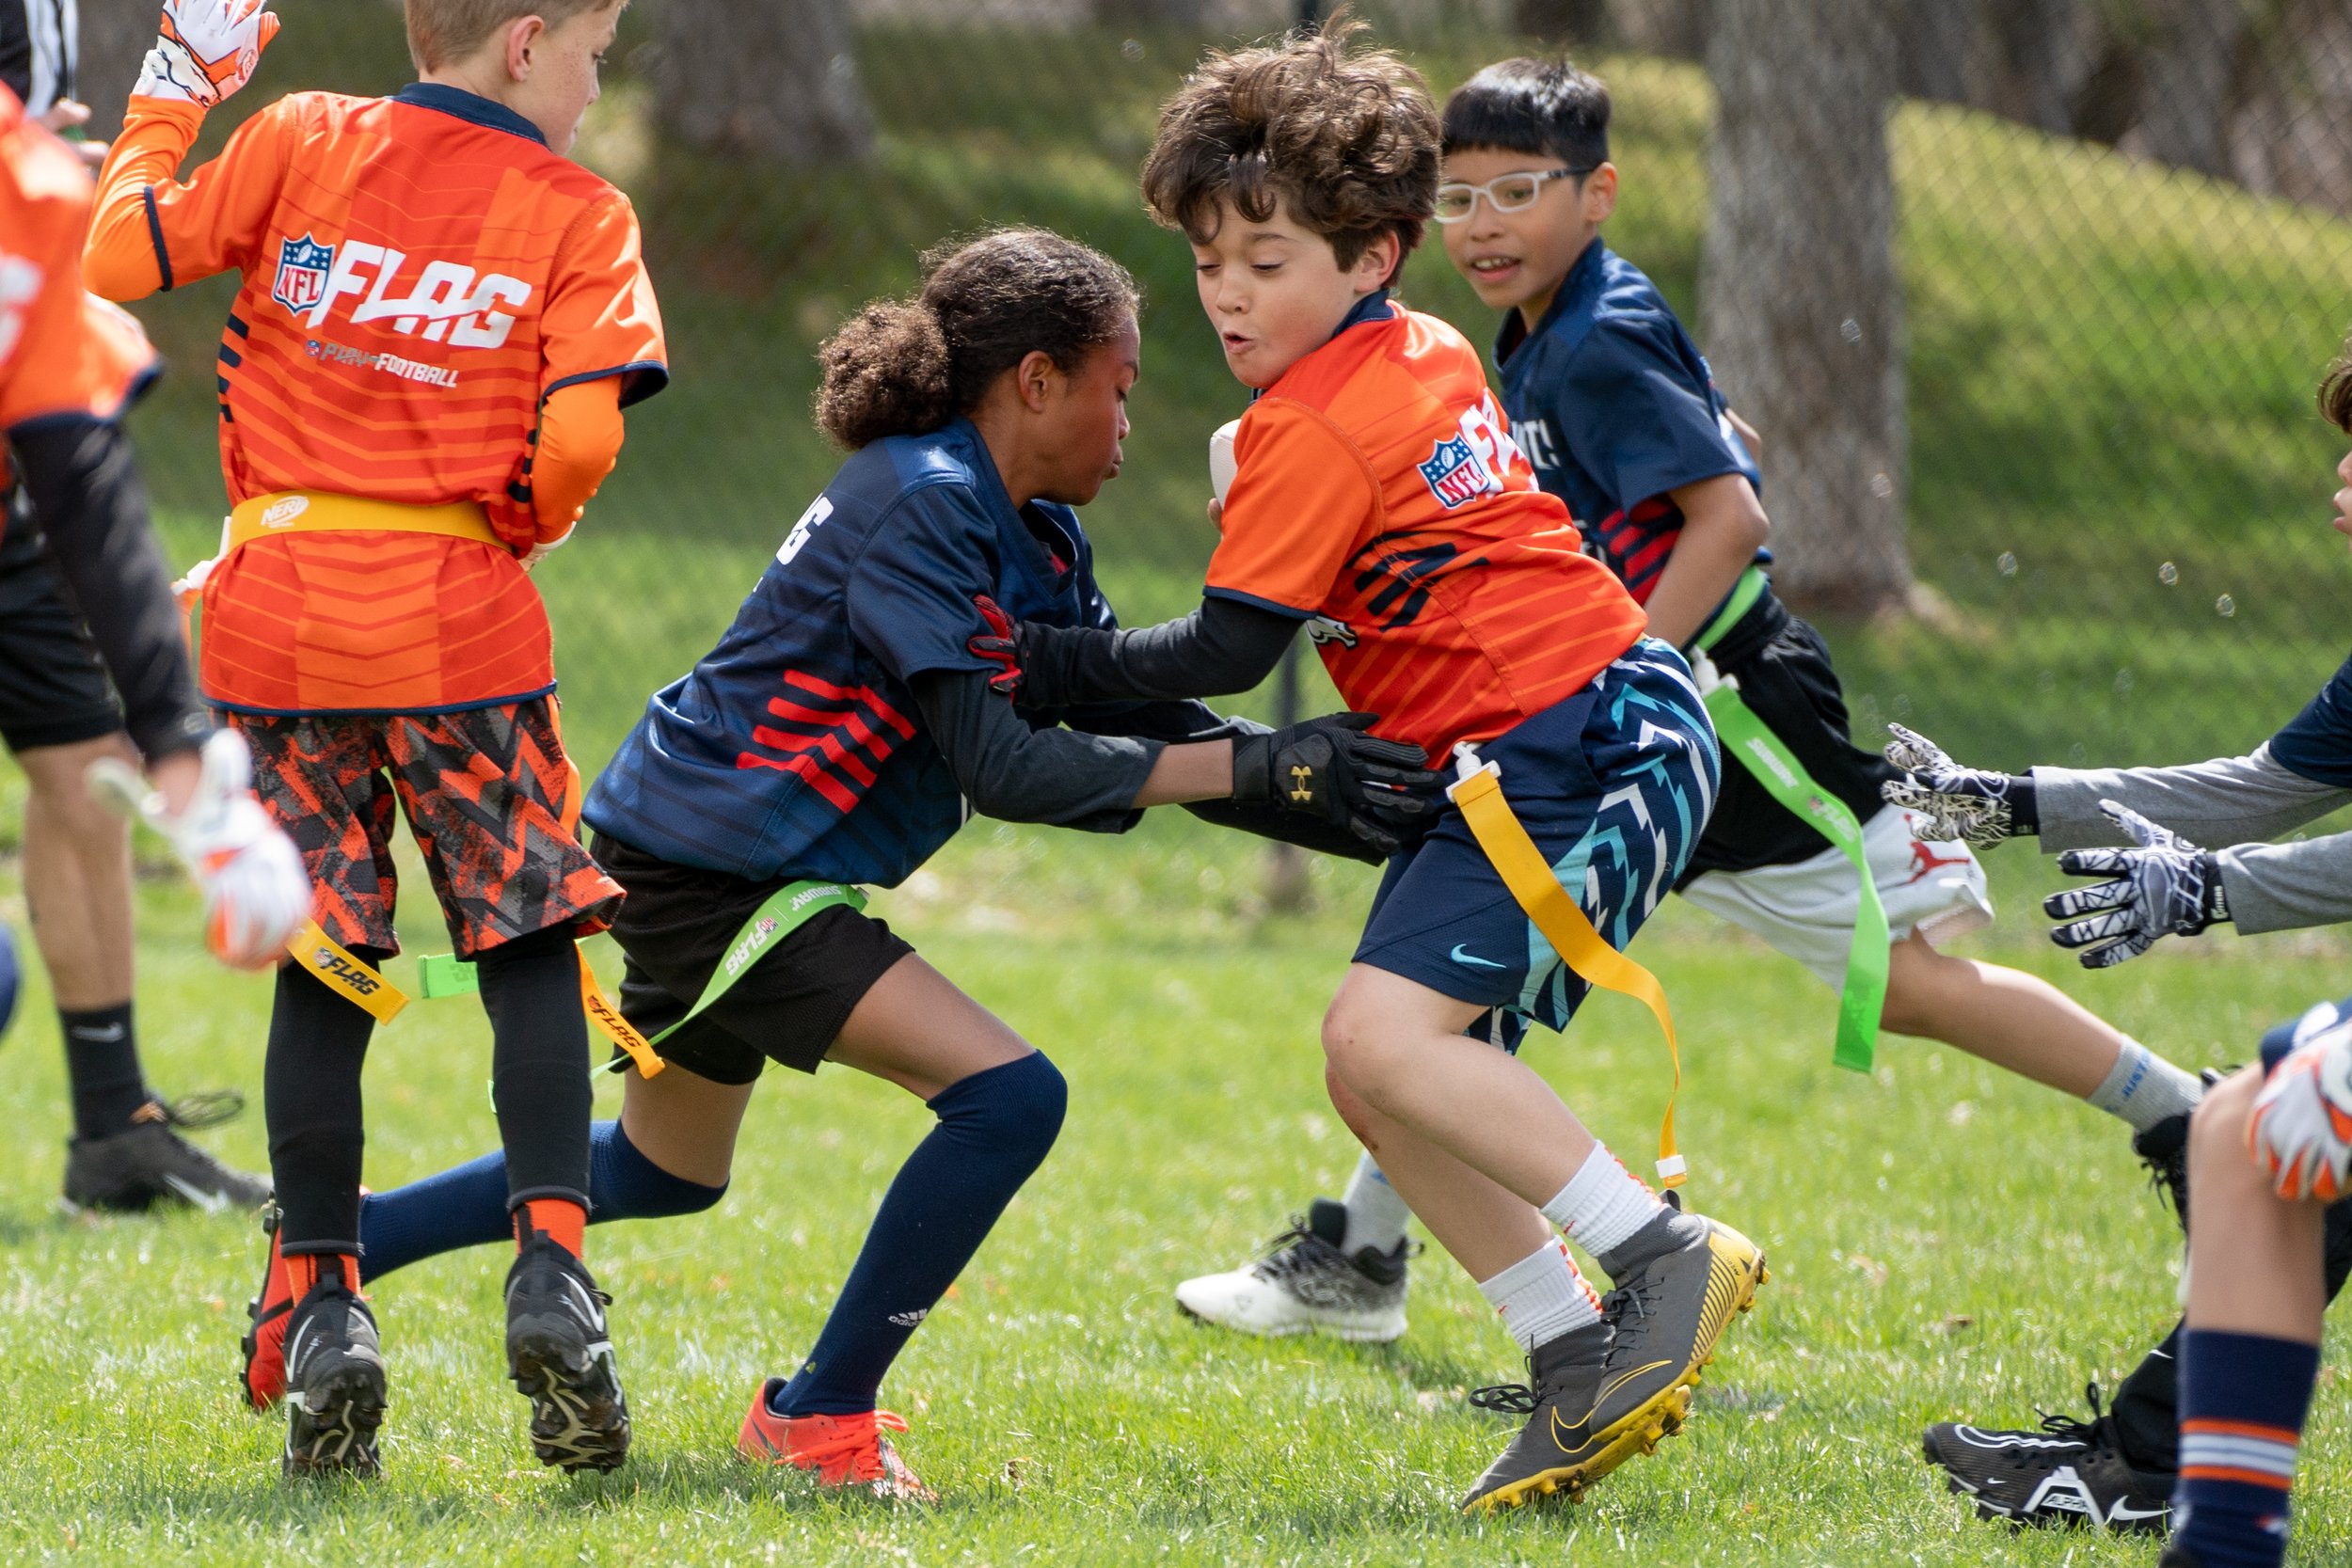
{"x": 490, "y": 797}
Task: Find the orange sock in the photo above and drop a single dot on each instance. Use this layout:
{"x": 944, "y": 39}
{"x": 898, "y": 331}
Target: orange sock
{"x": 560, "y": 1218}
{"x": 302, "y": 1271}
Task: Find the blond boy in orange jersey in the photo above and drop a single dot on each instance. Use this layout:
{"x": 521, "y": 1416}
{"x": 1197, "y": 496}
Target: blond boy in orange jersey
{"x": 421, "y": 386}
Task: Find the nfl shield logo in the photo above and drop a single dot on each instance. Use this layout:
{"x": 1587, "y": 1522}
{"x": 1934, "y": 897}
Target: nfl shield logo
{"x": 302, "y": 268}
{"x": 1454, "y": 473}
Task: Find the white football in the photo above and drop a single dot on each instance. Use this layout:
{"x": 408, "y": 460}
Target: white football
{"x": 1221, "y": 459}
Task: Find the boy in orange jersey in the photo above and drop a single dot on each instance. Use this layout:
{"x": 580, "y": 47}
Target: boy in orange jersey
{"x": 1378, "y": 498}
{"x": 421, "y": 385}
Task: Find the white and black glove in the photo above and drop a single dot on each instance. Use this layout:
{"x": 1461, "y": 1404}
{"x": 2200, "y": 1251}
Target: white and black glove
{"x": 256, "y": 893}
{"x": 2302, "y": 1131}
{"x": 1969, "y": 803}
{"x": 205, "y": 50}
{"x": 2166, "y": 887}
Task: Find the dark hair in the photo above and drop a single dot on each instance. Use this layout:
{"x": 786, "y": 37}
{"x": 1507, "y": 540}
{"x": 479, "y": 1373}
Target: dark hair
{"x": 1550, "y": 108}
{"x": 2335, "y": 391}
{"x": 907, "y": 366}
{"x": 1346, "y": 138}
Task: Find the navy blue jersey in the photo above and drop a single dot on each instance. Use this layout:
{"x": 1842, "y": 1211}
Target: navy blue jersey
{"x": 2317, "y": 742}
{"x": 794, "y": 748}
{"x": 1615, "y": 406}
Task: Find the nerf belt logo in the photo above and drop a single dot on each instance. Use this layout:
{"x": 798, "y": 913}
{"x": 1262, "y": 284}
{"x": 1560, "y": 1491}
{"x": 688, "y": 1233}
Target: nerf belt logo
{"x": 345, "y": 973}
{"x": 282, "y": 514}
{"x": 447, "y": 303}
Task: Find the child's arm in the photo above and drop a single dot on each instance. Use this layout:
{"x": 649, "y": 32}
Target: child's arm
{"x": 1749, "y": 435}
{"x": 149, "y": 231}
{"x": 1723, "y": 526}
{"x": 580, "y": 439}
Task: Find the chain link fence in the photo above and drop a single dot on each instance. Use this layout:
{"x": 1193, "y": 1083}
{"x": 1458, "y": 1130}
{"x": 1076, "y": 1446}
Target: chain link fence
{"x": 2122, "y": 232}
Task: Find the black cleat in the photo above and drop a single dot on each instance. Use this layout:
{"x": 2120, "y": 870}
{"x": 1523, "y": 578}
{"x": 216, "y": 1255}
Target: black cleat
{"x": 150, "y": 1163}
{"x": 2068, "y": 1472}
{"x": 560, "y": 1356}
{"x": 334, "y": 1381}
{"x": 2164, "y": 1150}
{"x": 2177, "y": 1556}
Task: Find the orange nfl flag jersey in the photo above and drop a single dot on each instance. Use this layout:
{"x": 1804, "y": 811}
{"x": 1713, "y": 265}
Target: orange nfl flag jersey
{"x": 1378, "y": 492}
{"x": 420, "y": 274}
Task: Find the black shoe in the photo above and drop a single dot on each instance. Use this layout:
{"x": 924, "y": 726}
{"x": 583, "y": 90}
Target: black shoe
{"x": 2164, "y": 1150}
{"x": 2177, "y": 1556}
{"x": 149, "y": 1163}
{"x": 1308, "y": 1281}
{"x": 334, "y": 1381}
{"x": 560, "y": 1356}
{"x": 2068, "y": 1472}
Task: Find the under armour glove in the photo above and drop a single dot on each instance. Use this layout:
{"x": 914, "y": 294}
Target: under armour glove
{"x": 205, "y": 50}
{"x": 2301, "y": 1130}
{"x": 1000, "y": 645}
{"x": 1969, "y": 803}
{"x": 2166, "y": 887}
{"x": 1380, "y": 790}
{"x": 256, "y": 893}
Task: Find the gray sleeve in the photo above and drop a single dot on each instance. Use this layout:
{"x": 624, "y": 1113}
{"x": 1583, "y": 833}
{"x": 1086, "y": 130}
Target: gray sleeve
{"x": 2227, "y": 800}
{"x": 2282, "y": 887}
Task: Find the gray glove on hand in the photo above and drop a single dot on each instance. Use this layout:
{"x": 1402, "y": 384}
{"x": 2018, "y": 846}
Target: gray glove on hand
{"x": 2166, "y": 887}
{"x": 1969, "y": 803}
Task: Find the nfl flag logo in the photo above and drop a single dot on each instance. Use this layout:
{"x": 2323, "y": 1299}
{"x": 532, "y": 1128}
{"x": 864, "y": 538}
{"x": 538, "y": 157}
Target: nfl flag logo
{"x": 1454, "y": 473}
{"x": 302, "y": 268}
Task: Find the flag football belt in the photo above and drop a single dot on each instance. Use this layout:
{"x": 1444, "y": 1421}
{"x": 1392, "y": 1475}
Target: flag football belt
{"x": 782, "y": 912}
{"x": 1478, "y": 791}
{"x": 1770, "y": 761}
{"x": 284, "y": 512}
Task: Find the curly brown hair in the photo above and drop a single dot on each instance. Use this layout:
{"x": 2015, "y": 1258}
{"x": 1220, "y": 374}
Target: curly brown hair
{"x": 2335, "y": 391}
{"x": 905, "y": 367}
{"x": 1346, "y": 138}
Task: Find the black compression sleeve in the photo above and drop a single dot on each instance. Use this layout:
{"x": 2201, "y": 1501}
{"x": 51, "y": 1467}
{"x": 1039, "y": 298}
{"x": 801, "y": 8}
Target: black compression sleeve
{"x": 86, "y": 494}
{"x": 1223, "y": 646}
{"x": 1016, "y": 774}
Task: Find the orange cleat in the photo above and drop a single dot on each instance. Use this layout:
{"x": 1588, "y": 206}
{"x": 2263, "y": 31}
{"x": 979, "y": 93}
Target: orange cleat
{"x": 844, "y": 1450}
{"x": 264, "y": 1381}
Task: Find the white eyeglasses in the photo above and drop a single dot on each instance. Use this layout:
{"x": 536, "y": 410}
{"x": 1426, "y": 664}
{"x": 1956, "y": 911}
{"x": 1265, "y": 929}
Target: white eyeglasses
{"x": 1508, "y": 193}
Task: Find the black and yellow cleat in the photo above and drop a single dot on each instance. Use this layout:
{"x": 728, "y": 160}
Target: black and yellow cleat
{"x": 1599, "y": 1395}
{"x": 334, "y": 1381}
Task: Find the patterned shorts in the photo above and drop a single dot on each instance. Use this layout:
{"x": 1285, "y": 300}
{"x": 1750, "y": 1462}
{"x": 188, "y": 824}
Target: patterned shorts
{"x": 488, "y": 794}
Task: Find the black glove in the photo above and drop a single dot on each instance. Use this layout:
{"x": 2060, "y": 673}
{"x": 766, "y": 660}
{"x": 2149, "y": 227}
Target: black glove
{"x": 998, "y": 645}
{"x": 2166, "y": 887}
{"x": 1329, "y": 768}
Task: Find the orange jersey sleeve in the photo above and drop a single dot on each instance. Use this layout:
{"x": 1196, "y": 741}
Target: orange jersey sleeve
{"x": 1302, "y": 497}
{"x": 50, "y": 361}
{"x": 150, "y": 232}
{"x": 580, "y": 441}
{"x": 601, "y": 317}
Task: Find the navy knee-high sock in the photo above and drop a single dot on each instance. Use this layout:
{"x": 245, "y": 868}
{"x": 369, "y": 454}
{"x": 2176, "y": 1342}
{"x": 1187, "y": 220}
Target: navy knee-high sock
{"x": 465, "y": 1205}
{"x": 2243, "y": 1401}
{"x": 994, "y": 1129}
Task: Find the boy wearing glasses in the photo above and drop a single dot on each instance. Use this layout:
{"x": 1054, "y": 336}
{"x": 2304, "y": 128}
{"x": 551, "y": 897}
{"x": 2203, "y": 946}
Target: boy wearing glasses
{"x": 1616, "y": 410}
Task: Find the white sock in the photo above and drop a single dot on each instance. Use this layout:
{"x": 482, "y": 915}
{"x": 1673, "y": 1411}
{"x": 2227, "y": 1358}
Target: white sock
{"x": 2143, "y": 1088}
{"x": 1603, "y": 1204}
{"x": 1542, "y": 1296}
{"x": 1375, "y": 1214}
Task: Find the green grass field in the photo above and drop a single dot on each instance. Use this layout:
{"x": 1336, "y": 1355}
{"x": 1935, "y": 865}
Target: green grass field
{"x": 1945, "y": 1241}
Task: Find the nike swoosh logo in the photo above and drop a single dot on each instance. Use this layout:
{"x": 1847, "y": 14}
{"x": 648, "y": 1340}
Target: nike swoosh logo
{"x": 1472, "y": 958}
{"x": 110, "y": 1033}
{"x": 2125, "y": 1511}
{"x": 1562, "y": 1430}
{"x": 212, "y": 1203}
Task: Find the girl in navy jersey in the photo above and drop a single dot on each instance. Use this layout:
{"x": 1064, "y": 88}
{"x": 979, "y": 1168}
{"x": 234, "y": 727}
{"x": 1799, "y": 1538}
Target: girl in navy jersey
{"x": 839, "y": 733}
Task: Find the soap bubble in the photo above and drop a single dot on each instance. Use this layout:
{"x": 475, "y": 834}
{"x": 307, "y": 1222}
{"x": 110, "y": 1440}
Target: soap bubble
{"x": 2168, "y": 575}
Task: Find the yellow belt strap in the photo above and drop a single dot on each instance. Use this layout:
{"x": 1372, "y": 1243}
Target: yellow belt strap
{"x": 347, "y": 975}
{"x": 608, "y": 1019}
{"x": 318, "y": 512}
{"x": 1564, "y": 924}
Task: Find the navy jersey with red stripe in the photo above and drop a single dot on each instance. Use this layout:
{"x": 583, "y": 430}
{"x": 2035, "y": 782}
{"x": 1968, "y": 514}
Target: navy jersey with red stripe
{"x": 795, "y": 748}
{"x": 1613, "y": 406}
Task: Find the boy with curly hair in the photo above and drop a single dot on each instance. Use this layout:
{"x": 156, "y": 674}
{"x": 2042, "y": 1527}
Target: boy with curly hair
{"x": 421, "y": 381}
{"x": 1378, "y": 499}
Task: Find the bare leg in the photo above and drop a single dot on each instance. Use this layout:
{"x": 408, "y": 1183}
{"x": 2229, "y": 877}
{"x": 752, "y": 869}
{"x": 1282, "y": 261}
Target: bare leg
{"x": 2008, "y": 1018}
{"x": 2254, "y": 1258}
{"x": 918, "y": 1031}
{"x": 1398, "y": 1047}
{"x": 1482, "y": 1227}
{"x": 77, "y": 876}
{"x": 685, "y": 1124}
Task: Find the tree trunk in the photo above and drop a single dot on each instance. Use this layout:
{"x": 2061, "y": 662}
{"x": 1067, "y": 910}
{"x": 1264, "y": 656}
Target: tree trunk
{"x": 774, "y": 80}
{"x": 1583, "y": 23}
{"x": 2189, "y": 67}
{"x": 1799, "y": 293}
